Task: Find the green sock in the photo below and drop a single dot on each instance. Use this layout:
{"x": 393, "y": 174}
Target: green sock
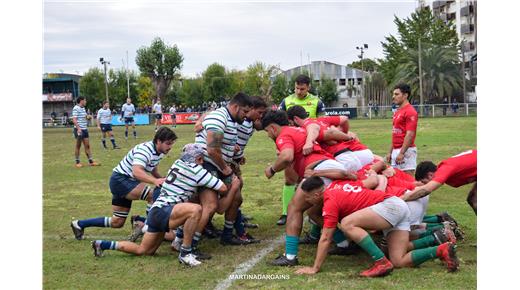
{"x": 371, "y": 248}
{"x": 315, "y": 231}
{"x": 425, "y": 242}
{"x": 338, "y": 236}
{"x": 434, "y": 226}
{"x": 431, "y": 219}
{"x": 422, "y": 255}
{"x": 288, "y": 193}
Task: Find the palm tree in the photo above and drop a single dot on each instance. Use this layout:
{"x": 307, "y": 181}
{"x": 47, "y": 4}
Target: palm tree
{"x": 440, "y": 71}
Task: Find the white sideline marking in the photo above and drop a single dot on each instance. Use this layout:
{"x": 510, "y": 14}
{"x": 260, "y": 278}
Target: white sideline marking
{"x": 247, "y": 265}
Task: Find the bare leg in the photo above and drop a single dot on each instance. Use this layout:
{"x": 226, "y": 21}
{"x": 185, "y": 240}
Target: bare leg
{"x": 472, "y": 198}
{"x": 150, "y": 244}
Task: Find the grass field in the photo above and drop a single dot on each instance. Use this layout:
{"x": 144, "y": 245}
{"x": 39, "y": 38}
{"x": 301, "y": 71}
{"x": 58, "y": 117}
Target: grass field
{"x": 83, "y": 193}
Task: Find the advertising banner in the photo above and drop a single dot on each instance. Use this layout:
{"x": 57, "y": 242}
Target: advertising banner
{"x": 139, "y": 119}
{"x": 351, "y": 113}
{"x": 181, "y": 118}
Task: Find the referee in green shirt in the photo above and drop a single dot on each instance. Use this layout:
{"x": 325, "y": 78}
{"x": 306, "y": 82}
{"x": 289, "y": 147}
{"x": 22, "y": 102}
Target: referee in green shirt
{"x": 315, "y": 108}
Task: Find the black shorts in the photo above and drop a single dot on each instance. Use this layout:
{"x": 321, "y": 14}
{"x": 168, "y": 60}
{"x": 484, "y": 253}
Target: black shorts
{"x": 106, "y": 127}
{"x": 84, "y": 134}
{"x": 213, "y": 170}
{"x": 174, "y": 117}
{"x": 158, "y": 116}
{"x": 120, "y": 186}
{"x": 158, "y": 219}
{"x": 129, "y": 120}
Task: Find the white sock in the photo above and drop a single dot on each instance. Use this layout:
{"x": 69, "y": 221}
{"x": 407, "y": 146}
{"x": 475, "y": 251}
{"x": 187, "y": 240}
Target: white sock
{"x": 290, "y": 257}
{"x": 343, "y": 244}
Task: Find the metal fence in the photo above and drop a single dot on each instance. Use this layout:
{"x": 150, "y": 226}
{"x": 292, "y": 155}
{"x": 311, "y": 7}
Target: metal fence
{"x": 430, "y": 110}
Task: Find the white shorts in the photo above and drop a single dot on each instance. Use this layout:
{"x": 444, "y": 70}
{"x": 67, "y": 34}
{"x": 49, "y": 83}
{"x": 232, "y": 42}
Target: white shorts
{"x": 410, "y": 159}
{"x": 365, "y": 156}
{"x": 418, "y": 208}
{"x": 328, "y": 164}
{"x": 349, "y": 161}
{"x": 395, "y": 211}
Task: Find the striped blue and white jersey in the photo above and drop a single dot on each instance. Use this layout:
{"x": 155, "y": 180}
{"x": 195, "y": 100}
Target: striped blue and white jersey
{"x": 219, "y": 120}
{"x": 182, "y": 182}
{"x": 157, "y": 108}
{"x": 128, "y": 110}
{"x": 104, "y": 116}
{"x": 81, "y": 116}
{"x": 244, "y": 133}
{"x": 144, "y": 154}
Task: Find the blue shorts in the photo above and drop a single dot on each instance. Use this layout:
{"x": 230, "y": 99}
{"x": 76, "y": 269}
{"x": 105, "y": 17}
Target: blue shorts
{"x": 84, "y": 134}
{"x": 106, "y": 127}
{"x": 158, "y": 219}
{"x": 158, "y": 116}
{"x": 129, "y": 120}
{"x": 156, "y": 193}
{"x": 120, "y": 186}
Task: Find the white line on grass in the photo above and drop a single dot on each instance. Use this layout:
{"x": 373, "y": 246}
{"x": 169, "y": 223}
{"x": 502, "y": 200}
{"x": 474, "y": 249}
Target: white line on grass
{"x": 247, "y": 265}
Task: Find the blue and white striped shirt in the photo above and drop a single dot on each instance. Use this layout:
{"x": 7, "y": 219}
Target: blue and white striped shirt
{"x": 128, "y": 110}
{"x": 104, "y": 116}
{"x": 244, "y": 133}
{"x": 219, "y": 120}
{"x": 182, "y": 182}
{"x": 144, "y": 154}
{"x": 80, "y": 114}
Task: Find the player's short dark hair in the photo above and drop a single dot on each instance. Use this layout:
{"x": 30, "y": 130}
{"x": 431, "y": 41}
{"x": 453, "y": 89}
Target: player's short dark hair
{"x": 241, "y": 100}
{"x": 164, "y": 134}
{"x": 105, "y": 102}
{"x": 79, "y": 99}
{"x": 404, "y": 88}
{"x": 312, "y": 183}
{"x": 303, "y": 79}
{"x": 258, "y": 102}
{"x": 424, "y": 168}
{"x": 278, "y": 117}
{"x": 297, "y": 111}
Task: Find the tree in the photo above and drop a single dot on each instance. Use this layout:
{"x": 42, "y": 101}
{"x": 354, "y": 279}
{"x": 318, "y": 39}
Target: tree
{"x": 145, "y": 91}
{"x": 161, "y": 63}
{"x": 421, "y": 26}
{"x": 191, "y": 92}
{"x": 327, "y": 91}
{"x": 216, "y": 83}
{"x": 440, "y": 72}
{"x": 280, "y": 89}
{"x": 117, "y": 86}
{"x": 236, "y": 82}
{"x": 258, "y": 79}
{"x": 92, "y": 86}
{"x": 366, "y": 64}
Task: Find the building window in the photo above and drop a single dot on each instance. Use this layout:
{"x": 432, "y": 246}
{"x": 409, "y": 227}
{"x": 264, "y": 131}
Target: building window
{"x": 342, "y": 82}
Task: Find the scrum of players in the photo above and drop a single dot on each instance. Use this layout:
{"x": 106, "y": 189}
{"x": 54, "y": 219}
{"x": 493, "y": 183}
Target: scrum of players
{"x": 355, "y": 200}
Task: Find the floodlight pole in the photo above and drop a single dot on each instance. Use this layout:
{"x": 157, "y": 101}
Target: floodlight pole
{"x": 105, "y": 62}
{"x": 361, "y": 48}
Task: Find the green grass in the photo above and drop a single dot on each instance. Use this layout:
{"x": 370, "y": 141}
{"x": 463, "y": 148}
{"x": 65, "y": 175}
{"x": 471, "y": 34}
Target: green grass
{"x": 83, "y": 193}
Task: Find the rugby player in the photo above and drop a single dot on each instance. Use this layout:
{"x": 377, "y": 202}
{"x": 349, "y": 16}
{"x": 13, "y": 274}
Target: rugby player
{"x": 79, "y": 118}
{"x": 157, "y": 109}
{"x": 104, "y": 122}
{"x": 359, "y": 210}
{"x": 127, "y": 112}
{"x": 289, "y": 143}
{"x": 172, "y": 209}
{"x": 455, "y": 171}
{"x": 403, "y": 152}
{"x": 130, "y": 179}
{"x": 314, "y": 107}
{"x": 218, "y": 138}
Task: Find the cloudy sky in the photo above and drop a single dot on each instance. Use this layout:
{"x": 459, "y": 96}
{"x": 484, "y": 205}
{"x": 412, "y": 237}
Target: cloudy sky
{"x": 233, "y": 33}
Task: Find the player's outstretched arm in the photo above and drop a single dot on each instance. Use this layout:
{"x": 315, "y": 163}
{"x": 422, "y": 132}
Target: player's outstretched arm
{"x": 141, "y": 175}
{"x": 285, "y": 158}
{"x": 313, "y": 131}
{"x": 421, "y": 191}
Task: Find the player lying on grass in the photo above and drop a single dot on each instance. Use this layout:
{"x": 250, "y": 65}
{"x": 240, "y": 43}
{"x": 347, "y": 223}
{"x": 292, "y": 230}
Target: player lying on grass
{"x": 455, "y": 171}
{"x": 130, "y": 181}
{"x": 359, "y": 210}
{"x": 172, "y": 209}
{"x": 289, "y": 143}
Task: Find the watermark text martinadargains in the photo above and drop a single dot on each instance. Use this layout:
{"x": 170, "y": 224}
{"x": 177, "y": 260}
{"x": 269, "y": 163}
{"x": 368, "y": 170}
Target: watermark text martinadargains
{"x": 259, "y": 277}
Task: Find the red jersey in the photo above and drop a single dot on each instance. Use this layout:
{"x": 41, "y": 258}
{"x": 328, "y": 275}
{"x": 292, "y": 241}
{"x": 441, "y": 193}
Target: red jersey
{"x": 330, "y": 121}
{"x": 323, "y": 128}
{"x": 294, "y": 138}
{"x": 405, "y": 119}
{"x": 458, "y": 170}
{"x": 351, "y": 145}
{"x": 344, "y": 197}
